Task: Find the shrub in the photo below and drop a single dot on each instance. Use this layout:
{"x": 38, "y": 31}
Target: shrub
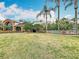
{"x": 28, "y": 26}
{"x": 52, "y": 26}
{"x": 8, "y": 27}
{"x": 38, "y": 27}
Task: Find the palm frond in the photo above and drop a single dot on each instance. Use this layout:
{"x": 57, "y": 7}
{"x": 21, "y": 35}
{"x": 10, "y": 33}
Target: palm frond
{"x": 55, "y": 0}
{"x": 65, "y": 1}
{"x": 44, "y": 14}
{"x": 76, "y": 3}
{"x": 49, "y": 13}
{"x": 58, "y": 2}
{"x": 54, "y": 9}
{"x": 69, "y": 4}
{"x": 39, "y": 14}
{"x": 45, "y": 7}
{"x": 50, "y": 0}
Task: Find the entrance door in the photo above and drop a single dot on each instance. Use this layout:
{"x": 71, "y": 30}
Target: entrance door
{"x": 18, "y": 29}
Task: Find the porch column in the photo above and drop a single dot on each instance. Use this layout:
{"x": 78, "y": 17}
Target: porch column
{"x": 22, "y": 29}
{"x": 14, "y": 28}
{"x": 3, "y": 27}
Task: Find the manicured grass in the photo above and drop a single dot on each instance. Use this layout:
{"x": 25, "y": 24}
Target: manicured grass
{"x": 38, "y": 46}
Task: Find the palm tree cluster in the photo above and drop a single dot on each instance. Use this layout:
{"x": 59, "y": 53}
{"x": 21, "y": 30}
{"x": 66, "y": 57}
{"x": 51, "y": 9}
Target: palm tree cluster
{"x": 66, "y": 3}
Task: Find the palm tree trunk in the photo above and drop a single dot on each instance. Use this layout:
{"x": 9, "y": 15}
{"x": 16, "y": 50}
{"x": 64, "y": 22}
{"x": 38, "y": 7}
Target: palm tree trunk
{"x": 76, "y": 8}
{"x": 58, "y": 17}
{"x": 46, "y": 25}
{"x": 76, "y": 21}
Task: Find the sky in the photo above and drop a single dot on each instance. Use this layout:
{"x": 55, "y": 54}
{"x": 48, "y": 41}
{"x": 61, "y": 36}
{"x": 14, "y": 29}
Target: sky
{"x": 28, "y": 9}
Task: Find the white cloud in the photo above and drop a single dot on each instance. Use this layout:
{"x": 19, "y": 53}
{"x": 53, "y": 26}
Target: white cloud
{"x": 28, "y": 14}
{"x": 2, "y": 17}
{"x": 68, "y": 16}
{"x": 19, "y": 13}
{"x": 11, "y": 10}
{"x": 14, "y": 12}
{"x": 2, "y": 5}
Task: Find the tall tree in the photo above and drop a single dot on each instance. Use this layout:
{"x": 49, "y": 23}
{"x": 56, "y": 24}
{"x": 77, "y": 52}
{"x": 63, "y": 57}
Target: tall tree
{"x": 57, "y": 6}
{"x": 45, "y": 12}
{"x": 68, "y": 3}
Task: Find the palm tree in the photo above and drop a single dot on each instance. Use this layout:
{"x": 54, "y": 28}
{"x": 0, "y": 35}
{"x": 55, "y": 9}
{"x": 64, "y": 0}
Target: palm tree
{"x": 57, "y": 6}
{"x": 45, "y": 12}
{"x": 70, "y": 2}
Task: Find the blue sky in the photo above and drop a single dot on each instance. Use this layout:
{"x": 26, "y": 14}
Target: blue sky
{"x": 26, "y": 4}
{"x": 38, "y": 5}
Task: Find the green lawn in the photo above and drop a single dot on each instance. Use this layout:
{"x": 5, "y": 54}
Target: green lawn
{"x": 38, "y": 46}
